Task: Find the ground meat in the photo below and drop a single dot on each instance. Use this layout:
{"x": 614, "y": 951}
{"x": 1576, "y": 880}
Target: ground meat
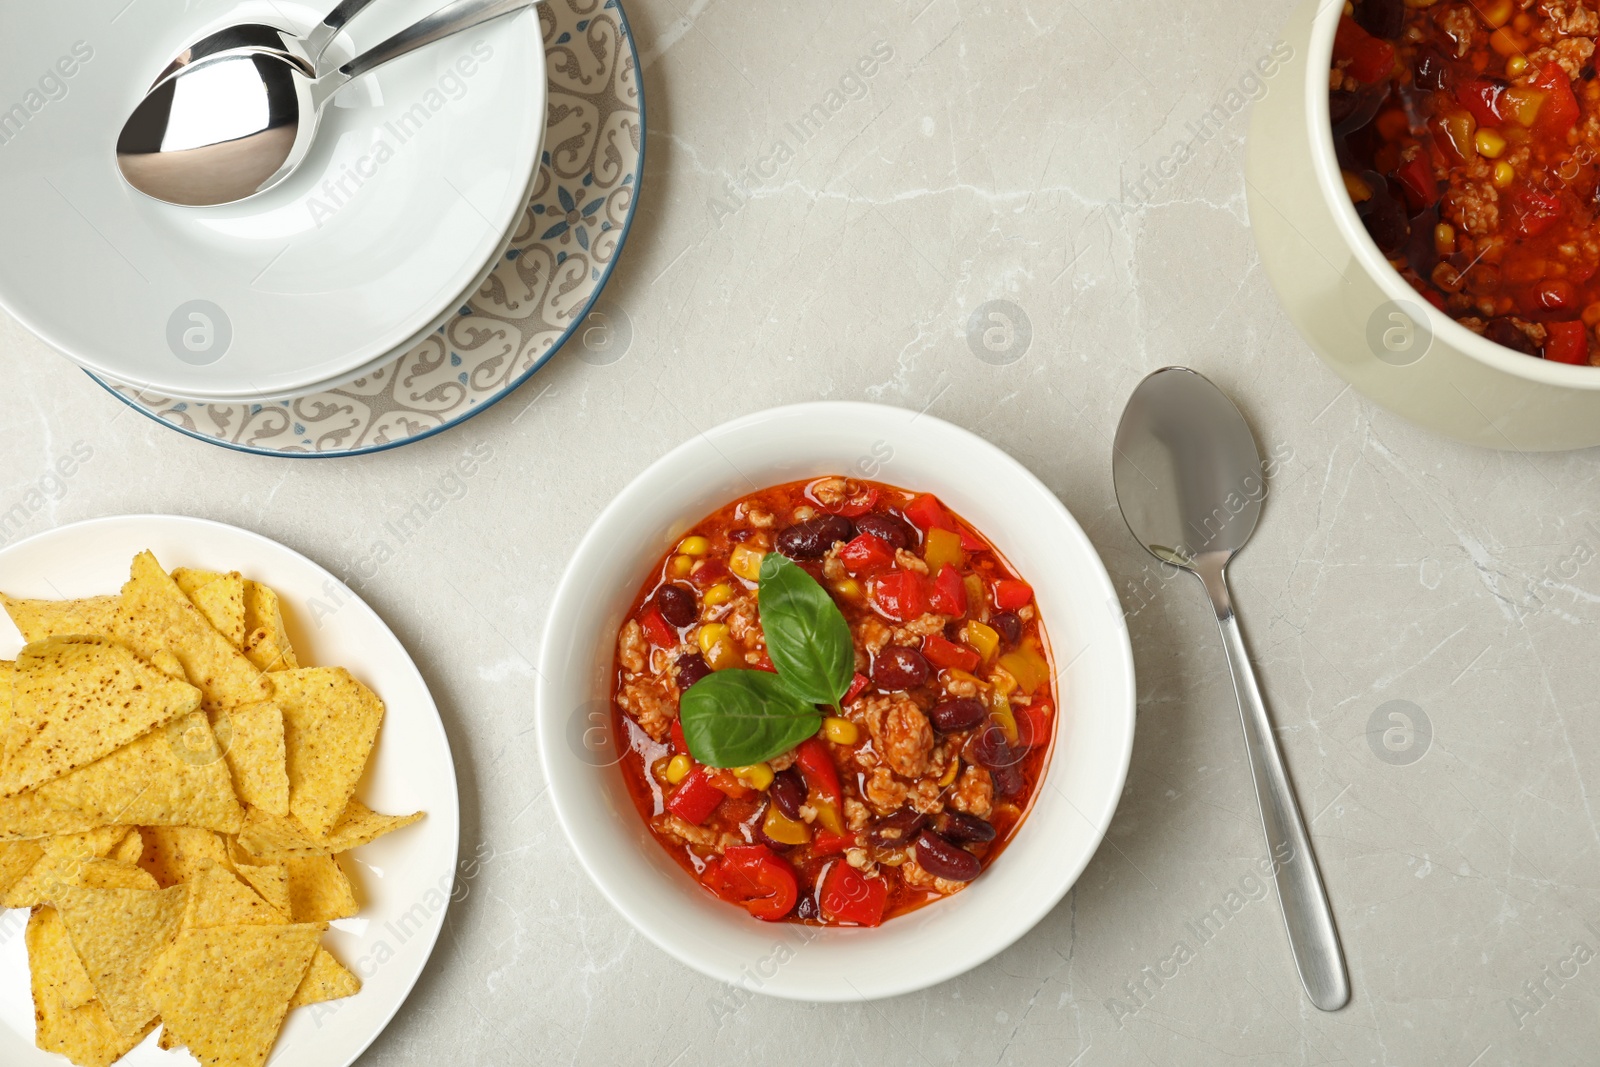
{"x": 682, "y": 832}
{"x": 914, "y": 631}
{"x": 958, "y": 687}
{"x": 885, "y": 792}
{"x": 915, "y": 875}
{"x": 1459, "y": 21}
{"x": 909, "y": 561}
{"x": 858, "y": 858}
{"x": 781, "y": 763}
{"x": 900, "y": 731}
{"x": 651, "y": 704}
{"x": 974, "y": 793}
{"x": 833, "y": 566}
{"x": 855, "y": 814}
{"x": 830, "y": 492}
{"x": 761, "y": 520}
{"x": 873, "y": 635}
{"x": 924, "y": 795}
{"x": 1571, "y": 17}
{"x": 631, "y": 647}
{"x": 744, "y": 622}
{"x": 1474, "y": 206}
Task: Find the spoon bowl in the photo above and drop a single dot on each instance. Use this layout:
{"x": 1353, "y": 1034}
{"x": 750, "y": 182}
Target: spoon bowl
{"x": 1190, "y": 482}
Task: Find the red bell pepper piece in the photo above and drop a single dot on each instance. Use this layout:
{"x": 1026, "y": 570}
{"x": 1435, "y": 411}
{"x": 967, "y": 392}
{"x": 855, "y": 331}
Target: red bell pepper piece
{"x": 948, "y": 654}
{"x": 764, "y": 662}
{"x": 816, "y": 766}
{"x": 858, "y": 505}
{"x": 947, "y": 593}
{"x": 1417, "y": 179}
{"x": 827, "y": 843}
{"x": 850, "y": 896}
{"x": 1033, "y": 726}
{"x": 897, "y": 595}
{"x": 1011, "y": 594}
{"x": 1566, "y": 342}
{"x": 1560, "y": 110}
{"x": 757, "y": 879}
{"x": 657, "y": 631}
{"x": 680, "y": 746}
{"x": 1484, "y": 99}
{"x": 928, "y": 514}
{"x": 1534, "y": 212}
{"x": 858, "y": 685}
{"x": 729, "y": 785}
{"x": 1370, "y": 58}
{"x": 865, "y": 554}
{"x": 695, "y": 798}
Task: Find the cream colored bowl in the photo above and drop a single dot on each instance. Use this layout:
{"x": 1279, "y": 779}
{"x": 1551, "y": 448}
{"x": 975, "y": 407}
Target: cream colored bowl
{"x": 1356, "y": 311}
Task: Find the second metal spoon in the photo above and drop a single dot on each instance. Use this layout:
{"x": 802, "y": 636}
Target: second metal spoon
{"x": 1190, "y": 483}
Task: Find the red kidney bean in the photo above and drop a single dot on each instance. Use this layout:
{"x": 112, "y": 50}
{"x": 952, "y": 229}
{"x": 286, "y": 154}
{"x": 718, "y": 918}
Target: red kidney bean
{"x": 961, "y": 714}
{"x": 896, "y": 531}
{"x": 812, "y": 539}
{"x": 946, "y": 860}
{"x": 961, "y": 827}
{"x": 807, "y": 909}
{"x": 1008, "y": 781}
{"x": 691, "y": 668}
{"x": 788, "y": 791}
{"x": 991, "y": 749}
{"x": 900, "y": 668}
{"x": 1381, "y": 18}
{"x": 896, "y": 831}
{"x": 677, "y": 604}
{"x": 1009, "y": 626}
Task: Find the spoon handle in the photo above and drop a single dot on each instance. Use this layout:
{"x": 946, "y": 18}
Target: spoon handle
{"x": 452, "y": 18}
{"x": 323, "y": 33}
{"x": 1313, "y": 938}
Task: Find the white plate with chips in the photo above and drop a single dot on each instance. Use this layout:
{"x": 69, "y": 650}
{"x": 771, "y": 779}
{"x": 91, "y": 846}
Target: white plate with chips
{"x": 405, "y": 881}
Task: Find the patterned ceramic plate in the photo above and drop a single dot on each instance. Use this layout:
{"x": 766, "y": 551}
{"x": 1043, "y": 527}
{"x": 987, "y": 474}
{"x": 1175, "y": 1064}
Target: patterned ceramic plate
{"x": 559, "y": 259}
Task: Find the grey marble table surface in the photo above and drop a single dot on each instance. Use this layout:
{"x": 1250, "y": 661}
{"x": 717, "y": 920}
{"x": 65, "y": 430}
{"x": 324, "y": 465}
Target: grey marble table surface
{"x": 1417, "y": 608}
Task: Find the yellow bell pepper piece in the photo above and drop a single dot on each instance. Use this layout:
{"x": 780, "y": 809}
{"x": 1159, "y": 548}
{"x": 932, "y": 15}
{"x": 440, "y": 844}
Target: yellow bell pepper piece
{"x": 942, "y": 547}
{"x": 1027, "y": 667}
{"x": 981, "y": 637}
{"x": 783, "y": 829}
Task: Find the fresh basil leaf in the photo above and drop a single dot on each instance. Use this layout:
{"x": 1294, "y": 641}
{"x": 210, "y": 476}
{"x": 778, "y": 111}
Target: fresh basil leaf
{"x": 807, "y": 636}
{"x": 736, "y": 718}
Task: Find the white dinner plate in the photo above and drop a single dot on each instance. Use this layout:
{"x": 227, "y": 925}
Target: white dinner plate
{"x": 404, "y": 880}
{"x": 418, "y": 175}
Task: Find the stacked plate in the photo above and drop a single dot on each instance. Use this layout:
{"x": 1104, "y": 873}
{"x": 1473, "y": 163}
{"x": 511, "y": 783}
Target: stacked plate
{"x": 427, "y": 176}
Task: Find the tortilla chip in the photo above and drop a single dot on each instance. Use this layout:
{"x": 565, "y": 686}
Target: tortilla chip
{"x": 40, "y": 620}
{"x": 220, "y": 598}
{"x": 266, "y": 641}
{"x": 175, "y": 776}
{"x": 154, "y": 614}
{"x": 82, "y": 1033}
{"x": 268, "y": 837}
{"x": 175, "y": 854}
{"x": 129, "y": 850}
{"x": 327, "y": 979}
{"x": 269, "y": 880}
{"x": 319, "y": 890}
{"x": 8, "y": 677}
{"x": 26, "y": 817}
{"x": 167, "y": 1041}
{"x": 217, "y": 898}
{"x": 72, "y": 986}
{"x": 16, "y": 860}
{"x": 117, "y": 933}
{"x": 76, "y": 699}
{"x": 61, "y": 862}
{"x": 224, "y": 991}
{"x": 168, "y": 664}
{"x": 256, "y": 757}
{"x": 330, "y": 723}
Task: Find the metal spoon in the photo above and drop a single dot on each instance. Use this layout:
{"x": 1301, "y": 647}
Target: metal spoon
{"x": 226, "y": 127}
{"x": 1190, "y": 483}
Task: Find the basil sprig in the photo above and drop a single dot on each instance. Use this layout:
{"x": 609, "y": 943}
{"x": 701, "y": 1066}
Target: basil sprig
{"x": 739, "y": 717}
{"x": 807, "y": 637}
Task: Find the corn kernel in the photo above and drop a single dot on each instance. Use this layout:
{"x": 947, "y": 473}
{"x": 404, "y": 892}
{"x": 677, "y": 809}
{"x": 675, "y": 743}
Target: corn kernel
{"x": 1504, "y": 174}
{"x": 1498, "y": 13}
{"x": 680, "y": 566}
{"x": 840, "y": 731}
{"x": 717, "y": 595}
{"x": 848, "y": 588}
{"x": 1489, "y": 144}
{"x": 1444, "y": 239}
{"x": 678, "y": 768}
{"x": 1516, "y": 66}
{"x": 1507, "y": 42}
{"x": 1358, "y": 189}
{"x": 756, "y": 776}
{"x": 694, "y": 546}
{"x": 711, "y": 635}
{"x": 1591, "y": 315}
{"x": 746, "y": 563}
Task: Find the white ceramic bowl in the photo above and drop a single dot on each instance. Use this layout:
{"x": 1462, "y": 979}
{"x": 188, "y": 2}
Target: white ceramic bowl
{"x": 418, "y": 174}
{"x": 1343, "y": 296}
{"x": 1072, "y": 807}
